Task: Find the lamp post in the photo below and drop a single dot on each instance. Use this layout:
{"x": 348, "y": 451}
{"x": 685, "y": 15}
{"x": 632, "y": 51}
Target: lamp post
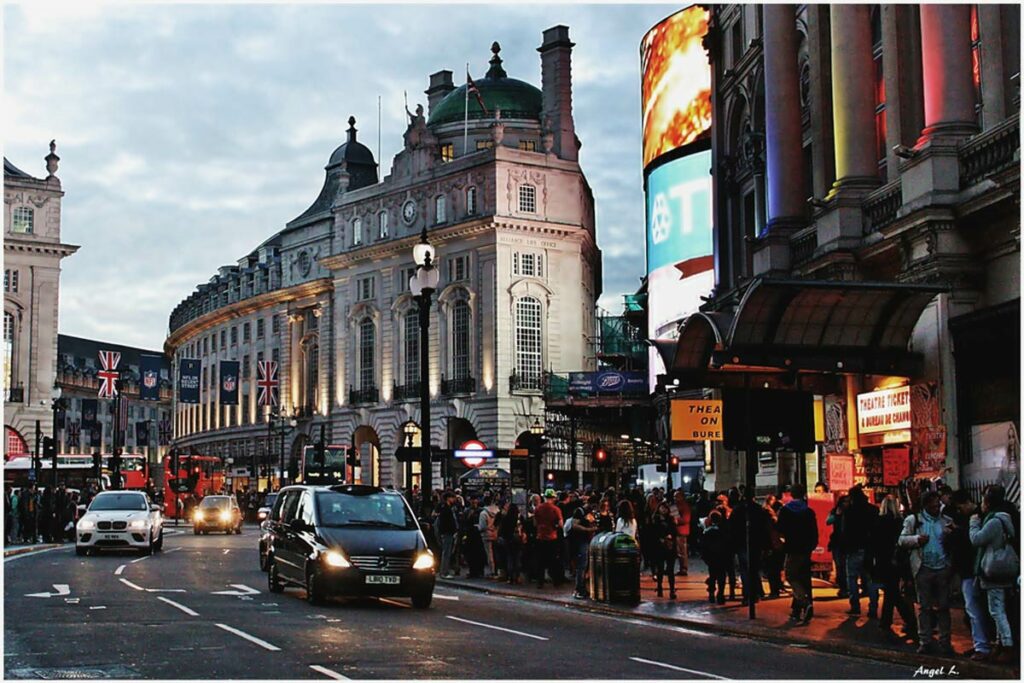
{"x": 422, "y": 285}
{"x": 280, "y": 424}
{"x": 537, "y": 430}
{"x": 58, "y": 419}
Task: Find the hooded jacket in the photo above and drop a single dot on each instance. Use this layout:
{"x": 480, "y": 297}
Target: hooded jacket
{"x": 798, "y": 527}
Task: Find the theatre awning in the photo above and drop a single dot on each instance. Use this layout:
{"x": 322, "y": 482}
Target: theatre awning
{"x": 814, "y": 325}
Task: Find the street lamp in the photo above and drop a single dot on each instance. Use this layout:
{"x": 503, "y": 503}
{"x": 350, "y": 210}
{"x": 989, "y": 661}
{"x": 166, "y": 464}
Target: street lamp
{"x": 422, "y": 285}
{"x": 280, "y": 424}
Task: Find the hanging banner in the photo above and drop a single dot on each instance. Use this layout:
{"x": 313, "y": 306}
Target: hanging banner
{"x": 149, "y": 377}
{"x": 142, "y": 433}
{"x": 835, "y": 425}
{"x": 188, "y": 380}
{"x": 229, "y": 382}
{"x": 90, "y": 408}
{"x": 895, "y": 465}
{"x": 840, "y": 473}
{"x": 108, "y": 375}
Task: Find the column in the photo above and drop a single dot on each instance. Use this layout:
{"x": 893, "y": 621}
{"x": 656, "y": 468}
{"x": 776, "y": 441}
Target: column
{"x": 853, "y": 99}
{"x": 946, "y": 67}
{"x": 783, "y": 137}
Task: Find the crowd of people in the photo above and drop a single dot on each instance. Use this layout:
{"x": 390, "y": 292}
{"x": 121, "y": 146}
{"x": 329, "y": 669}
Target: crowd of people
{"x": 47, "y": 515}
{"x": 925, "y": 546}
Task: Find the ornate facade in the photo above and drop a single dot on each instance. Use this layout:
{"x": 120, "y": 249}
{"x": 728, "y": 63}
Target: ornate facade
{"x": 504, "y": 201}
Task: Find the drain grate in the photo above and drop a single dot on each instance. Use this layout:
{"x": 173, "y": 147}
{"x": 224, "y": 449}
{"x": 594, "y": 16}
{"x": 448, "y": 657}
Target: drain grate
{"x": 114, "y": 671}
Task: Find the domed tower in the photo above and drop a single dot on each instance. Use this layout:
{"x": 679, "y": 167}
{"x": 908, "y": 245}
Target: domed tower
{"x": 350, "y": 167}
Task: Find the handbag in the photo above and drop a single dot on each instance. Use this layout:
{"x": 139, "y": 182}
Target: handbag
{"x": 1001, "y": 565}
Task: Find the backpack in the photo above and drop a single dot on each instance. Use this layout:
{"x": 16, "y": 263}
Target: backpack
{"x": 1001, "y": 565}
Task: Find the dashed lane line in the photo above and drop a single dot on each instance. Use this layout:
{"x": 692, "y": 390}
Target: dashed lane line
{"x": 496, "y": 628}
{"x": 131, "y": 585}
{"x": 183, "y": 608}
{"x": 252, "y": 639}
{"x": 445, "y": 597}
{"x": 327, "y": 672}
{"x": 117, "y": 572}
{"x": 673, "y": 667}
{"x": 144, "y": 557}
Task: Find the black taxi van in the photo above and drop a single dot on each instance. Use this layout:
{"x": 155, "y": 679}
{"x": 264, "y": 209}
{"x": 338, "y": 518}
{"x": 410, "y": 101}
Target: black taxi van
{"x": 348, "y": 540}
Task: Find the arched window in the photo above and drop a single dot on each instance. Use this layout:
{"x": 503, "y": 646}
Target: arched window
{"x": 411, "y": 328}
{"x": 460, "y": 340}
{"x": 529, "y": 348}
{"x": 367, "y": 349}
{"x": 357, "y": 232}
{"x": 382, "y": 224}
{"x": 527, "y": 199}
{"x": 22, "y": 220}
{"x": 471, "y": 201}
{"x": 8, "y": 351}
{"x": 440, "y": 209}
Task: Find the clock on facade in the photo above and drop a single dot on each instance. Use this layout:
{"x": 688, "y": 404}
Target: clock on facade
{"x": 409, "y": 211}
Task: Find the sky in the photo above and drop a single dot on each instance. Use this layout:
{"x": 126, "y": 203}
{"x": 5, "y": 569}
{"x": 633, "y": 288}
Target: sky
{"x": 190, "y": 133}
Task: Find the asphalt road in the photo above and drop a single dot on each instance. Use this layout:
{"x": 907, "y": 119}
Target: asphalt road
{"x": 161, "y": 617}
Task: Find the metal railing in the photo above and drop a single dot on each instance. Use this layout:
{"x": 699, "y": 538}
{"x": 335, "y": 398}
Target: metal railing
{"x": 406, "y": 392}
{"x": 365, "y": 395}
{"x": 460, "y": 385}
{"x": 990, "y": 152}
{"x": 803, "y": 244}
{"x": 517, "y": 382}
{"x": 881, "y": 206}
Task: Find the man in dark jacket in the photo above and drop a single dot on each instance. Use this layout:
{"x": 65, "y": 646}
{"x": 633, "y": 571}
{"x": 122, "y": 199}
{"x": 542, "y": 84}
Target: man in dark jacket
{"x": 858, "y": 524}
{"x": 798, "y": 528}
{"x": 960, "y": 509}
{"x": 758, "y": 539}
{"x": 447, "y": 528}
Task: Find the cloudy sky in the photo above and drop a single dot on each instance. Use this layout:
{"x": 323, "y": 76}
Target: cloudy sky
{"x": 190, "y": 133}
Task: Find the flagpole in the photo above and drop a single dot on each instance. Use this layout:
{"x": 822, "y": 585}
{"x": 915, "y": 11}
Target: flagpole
{"x": 465, "y": 121}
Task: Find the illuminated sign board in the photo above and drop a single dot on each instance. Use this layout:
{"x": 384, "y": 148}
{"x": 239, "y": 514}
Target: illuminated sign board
{"x": 472, "y": 455}
{"x": 676, "y": 85}
{"x": 696, "y": 420}
{"x": 883, "y": 411}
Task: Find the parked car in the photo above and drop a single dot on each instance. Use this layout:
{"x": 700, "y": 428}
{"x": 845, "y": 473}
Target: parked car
{"x": 264, "y": 510}
{"x": 348, "y": 540}
{"x": 264, "y": 543}
{"x": 217, "y": 513}
{"x": 120, "y": 519}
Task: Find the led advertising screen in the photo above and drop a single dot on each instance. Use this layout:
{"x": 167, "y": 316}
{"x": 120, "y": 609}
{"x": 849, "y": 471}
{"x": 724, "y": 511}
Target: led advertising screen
{"x": 676, "y": 85}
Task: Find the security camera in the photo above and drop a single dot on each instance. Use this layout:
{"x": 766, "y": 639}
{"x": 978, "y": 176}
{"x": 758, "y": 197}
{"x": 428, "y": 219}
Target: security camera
{"x": 904, "y": 152}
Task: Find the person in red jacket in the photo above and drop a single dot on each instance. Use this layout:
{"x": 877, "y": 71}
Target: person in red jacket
{"x": 548, "y": 520}
{"x": 681, "y": 518}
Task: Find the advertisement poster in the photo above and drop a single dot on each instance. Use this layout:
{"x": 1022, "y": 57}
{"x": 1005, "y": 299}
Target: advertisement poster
{"x": 895, "y": 465}
{"x": 840, "y": 473}
{"x": 835, "y": 425}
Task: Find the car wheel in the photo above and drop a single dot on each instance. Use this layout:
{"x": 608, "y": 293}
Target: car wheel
{"x": 422, "y": 600}
{"x": 263, "y": 561}
{"x": 274, "y": 584}
{"x": 81, "y": 550}
{"x": 314, "y": 587}
{"x": 147, "y": 550}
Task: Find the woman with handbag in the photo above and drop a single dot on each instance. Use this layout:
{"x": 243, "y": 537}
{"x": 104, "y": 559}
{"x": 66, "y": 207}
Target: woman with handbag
{"x": 997, "y": 565}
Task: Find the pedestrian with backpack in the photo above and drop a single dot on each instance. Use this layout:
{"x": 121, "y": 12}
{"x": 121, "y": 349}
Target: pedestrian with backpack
{"x": 925, "y": 534}
{"x": 798, "y": 528}
{"x": 998, "y": 565}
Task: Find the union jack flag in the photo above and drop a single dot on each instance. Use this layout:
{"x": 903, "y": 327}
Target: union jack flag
{"x": 74, "y": 429}
{"x": 471, "y": 89}
{"x": 108, "y": 375}
{"x": 267, "y": 383}
{"x": 165, "y": 432}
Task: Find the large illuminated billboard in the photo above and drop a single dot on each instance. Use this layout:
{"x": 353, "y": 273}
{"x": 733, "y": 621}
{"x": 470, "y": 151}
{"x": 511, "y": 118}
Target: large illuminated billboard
{"x": 676, "y": 98}
{"x": 676, "y": 85}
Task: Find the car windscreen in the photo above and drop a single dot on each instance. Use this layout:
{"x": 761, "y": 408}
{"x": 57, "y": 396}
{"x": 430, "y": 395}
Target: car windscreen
{"x": 269, "y": 502}
{"x": 373, "y": 510}
{"x": 118, "y": 501}
{"x": 209, "y": 502}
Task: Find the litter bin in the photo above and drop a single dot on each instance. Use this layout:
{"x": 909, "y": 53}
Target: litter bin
{"x": 618, "y": 577}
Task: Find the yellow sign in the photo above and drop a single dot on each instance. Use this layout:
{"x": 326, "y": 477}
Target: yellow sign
{"x": 696, "y": 420}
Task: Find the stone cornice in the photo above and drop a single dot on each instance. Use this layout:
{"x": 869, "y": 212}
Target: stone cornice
{"x": 14, "y": 244}
{"x": 243, "y": 308}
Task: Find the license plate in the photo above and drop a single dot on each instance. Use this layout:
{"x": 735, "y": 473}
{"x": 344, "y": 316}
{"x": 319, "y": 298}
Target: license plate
{"x": 380, "y": 578}
{"x": 111, "y": 537}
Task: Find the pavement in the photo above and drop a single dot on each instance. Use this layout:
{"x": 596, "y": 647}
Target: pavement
{"x": 831, "y": 630}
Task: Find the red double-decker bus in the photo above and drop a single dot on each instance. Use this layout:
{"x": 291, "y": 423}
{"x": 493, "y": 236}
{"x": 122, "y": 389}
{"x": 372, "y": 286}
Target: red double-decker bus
{"x": 134, "y": 467}
{"x": 198, "y": 475}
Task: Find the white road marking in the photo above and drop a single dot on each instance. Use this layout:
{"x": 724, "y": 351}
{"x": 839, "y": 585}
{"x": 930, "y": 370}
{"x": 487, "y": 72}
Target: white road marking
{"x": 99, "y": 607}
{"x": 678, "y": 668}
{"x": 253, "y": 639}
{"x": 144, "y": 557}
{"x": 34, "y": 553}
{"x": 117, "y": 572}
{"x": 172, "y": 550}
{"x": 445, "y": 597}
{"x": 227, "y": 550}
{"x": 72, "y": 601}
{"x": 184, "y": 609}
{"x": 62, "y": 590}
{"x": 242, "y": 590}
{"x": 496, "y": 628}
{"x": 395, "y": 603}
{"x": 677, "y": 629}
{"x": 327, "y": 672}
{"x": 131, "y": 585}
{"x": 165, "y": 590}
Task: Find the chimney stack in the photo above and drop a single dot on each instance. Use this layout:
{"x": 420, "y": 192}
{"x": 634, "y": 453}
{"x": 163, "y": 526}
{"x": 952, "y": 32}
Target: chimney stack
{"x": 440, "y": 86}
{"x": 556, "y": 86}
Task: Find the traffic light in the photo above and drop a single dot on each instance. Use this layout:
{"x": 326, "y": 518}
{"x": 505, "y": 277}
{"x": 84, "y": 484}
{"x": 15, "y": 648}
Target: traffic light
{"x": 49, "y": 447}
{"x": 599, "y": 456}
{"x": 97, "y": 465}
{"x": 674, "y": 462}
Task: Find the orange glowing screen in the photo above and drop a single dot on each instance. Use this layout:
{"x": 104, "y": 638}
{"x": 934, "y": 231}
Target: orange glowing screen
{"x": 676, "y": 89}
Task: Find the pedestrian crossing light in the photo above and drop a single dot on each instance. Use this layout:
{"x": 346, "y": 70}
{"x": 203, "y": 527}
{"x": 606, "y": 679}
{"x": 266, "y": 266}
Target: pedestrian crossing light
{"x": 599, "y": 456}
{"x": 675, "y": 462}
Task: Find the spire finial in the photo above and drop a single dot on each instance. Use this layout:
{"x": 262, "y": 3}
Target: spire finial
{"x": 351, "y": 129}
{"x": 496, "y": 71}
{"x": 52, "y": 159}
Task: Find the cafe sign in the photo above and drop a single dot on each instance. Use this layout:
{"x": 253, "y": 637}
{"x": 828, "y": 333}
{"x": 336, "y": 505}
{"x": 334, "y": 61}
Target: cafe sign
{"x": 883, "y": 411}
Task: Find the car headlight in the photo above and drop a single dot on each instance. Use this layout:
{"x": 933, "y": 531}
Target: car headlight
{"x": 199, "y": 515}
{"x": 225, "y": 515}
{"x": 424, "y": 561}
{"x": 138, "y": 524}
{"x": 86, "y": 524}
{"x": 335, "y": 559}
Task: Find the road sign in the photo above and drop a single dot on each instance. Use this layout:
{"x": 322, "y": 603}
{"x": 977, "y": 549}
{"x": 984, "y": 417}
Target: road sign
{"x": 696, "y": 420}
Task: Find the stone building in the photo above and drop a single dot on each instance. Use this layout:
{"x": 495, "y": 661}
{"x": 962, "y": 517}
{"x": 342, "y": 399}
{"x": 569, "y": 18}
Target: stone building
{"x": 504, "y": 201}
{"x": 32, "y": 256}
{"x": 866, "y": 163}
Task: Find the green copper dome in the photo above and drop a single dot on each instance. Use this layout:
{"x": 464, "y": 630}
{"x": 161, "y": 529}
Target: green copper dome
{"x": 515, "y": 98}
